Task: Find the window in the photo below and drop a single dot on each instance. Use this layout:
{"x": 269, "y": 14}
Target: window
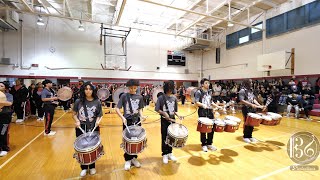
{"x": 243, "y": 39}
{"x": 256, "y": 30}
{"x": 276, "y": 25}
{"x": 314, "y": 11}
{"x": 296, "y": 18}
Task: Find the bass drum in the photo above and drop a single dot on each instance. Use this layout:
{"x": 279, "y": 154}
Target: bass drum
{"x": 103, "y": 94}
{"x": 64, "y": 93}
{"x": 190, "y": 93}
{"x": 117, "y": 94}
{"x": 156, "y": 93}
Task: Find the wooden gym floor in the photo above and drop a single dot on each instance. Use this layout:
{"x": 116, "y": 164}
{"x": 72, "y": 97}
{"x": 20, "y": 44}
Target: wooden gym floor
{"x": 34, "y": 156}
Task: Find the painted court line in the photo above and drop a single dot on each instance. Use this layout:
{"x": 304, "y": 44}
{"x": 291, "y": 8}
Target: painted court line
{"x": 6, "y": 162}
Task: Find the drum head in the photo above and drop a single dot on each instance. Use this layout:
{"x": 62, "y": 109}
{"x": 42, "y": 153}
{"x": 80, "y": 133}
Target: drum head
{"x": 117, "y": 94}
{"x": 103, "y": 94}
{"x": 254, "y": 115}
{"x": 233, "y": 118}
{"x": 178, "y": 130}
{"x": 136, "y": 133}
{"x": 84, "y": 142}
{"x": 156, "y": 93}
{"x": 64, "y": 93}
{"x": 206, "y": 121}
{"x": 219, "y": 122}
{"x": 230, "y": 122}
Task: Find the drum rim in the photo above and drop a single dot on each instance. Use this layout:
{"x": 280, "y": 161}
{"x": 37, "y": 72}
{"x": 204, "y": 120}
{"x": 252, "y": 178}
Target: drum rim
{"x": 205, "y": 123}
{"x": 98, "y": 157}
{"x": 255, "y": 115}
{"x": 103, "y": 99}
{"x": 130, "y": 140}
{"x": 233, "y": 118}
{"x": 175, "y": 135}
{"x": 88, "y": 149}
{"x": 227, "y": 124}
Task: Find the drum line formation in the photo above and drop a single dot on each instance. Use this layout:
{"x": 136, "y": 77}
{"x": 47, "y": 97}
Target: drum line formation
{"x": 88, "y": 147}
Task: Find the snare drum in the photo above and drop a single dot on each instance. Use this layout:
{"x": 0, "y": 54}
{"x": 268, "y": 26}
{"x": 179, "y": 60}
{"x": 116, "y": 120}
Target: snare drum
{"x": 235, "y": 119}
{"x": 205, "y": 125}
{"x": 276, "y": 117}
{"x": 177, "y": 135}
{"x": 219, "y": 125}
{"x": 134, "y": 142}
{"x": 88, "y": 148}
{"x": 253, "y": 119}
{"x": 231, "y": 126}
{"x": 267, "y": 120}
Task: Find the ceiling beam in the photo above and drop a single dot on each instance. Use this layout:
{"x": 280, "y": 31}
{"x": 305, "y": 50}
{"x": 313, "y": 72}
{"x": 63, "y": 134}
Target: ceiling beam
{"x": 96, "y": 22}
{"x": 201, "y": 18}
{"x": 68, "y": 8}
{"x": 269, "y": 3}
{"x": 27, "y": 5}
{"x": 123, "y": 4}
{"x": 45, "y": 7}
{"x": 53, "y": 7}
{"x": 184, "y": 13}
{"x": 90, "y": 9}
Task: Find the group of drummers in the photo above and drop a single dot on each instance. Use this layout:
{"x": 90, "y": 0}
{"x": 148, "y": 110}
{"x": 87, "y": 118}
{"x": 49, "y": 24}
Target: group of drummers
{"x": 173, "y": 133}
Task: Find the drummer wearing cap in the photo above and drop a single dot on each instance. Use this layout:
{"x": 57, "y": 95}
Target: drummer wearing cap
{"x": 250, "y": 104}
{"x": 6, "y": 100}
{"x": 87, "y": 113}
{"x": 132, "y": 104}
{"x": 204, "y": 102}
{"x": 48, "y": 97}
{"x": 167, "y": 107}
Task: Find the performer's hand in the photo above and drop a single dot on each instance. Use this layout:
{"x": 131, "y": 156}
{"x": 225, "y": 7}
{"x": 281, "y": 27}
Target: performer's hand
{"x": 124, "y": 120}
{"x": 254, "y": 106}
{"x": 55, "y": 98}
{"x": 143, "y": 118}
{"x": 77, "y": 124}
{"x": 264, "y": 108}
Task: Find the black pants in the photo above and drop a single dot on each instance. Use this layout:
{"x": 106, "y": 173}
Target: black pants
{"x": 5, "y": 119}
{"x": 206, "y": 138}
{"x": 166, "y": 149}
{"x": 307, "y": 109}
{"x": 247, "y": 130}
{"x": 40, "y": 109}
{"x": 183, "y": 99}
{"x": 128, "y": 157}
{"x": 78, "y": 133}
{"x": 33, "y": 107}
{"x": 49, "y": 113}
{"x": 65, "y": 105}
{"x": 147, "y": 100}
{"x": 273, "y": 109}
{"x": 19, "y": 109}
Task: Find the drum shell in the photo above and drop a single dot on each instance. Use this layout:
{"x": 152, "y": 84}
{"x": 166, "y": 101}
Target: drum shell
{"x": 133, "y": 146}
{"x": 251, "y": 121}
{"x": 204, "y": 128}
{"x": 90, "y": 157}
{"x": 173, "y": 140}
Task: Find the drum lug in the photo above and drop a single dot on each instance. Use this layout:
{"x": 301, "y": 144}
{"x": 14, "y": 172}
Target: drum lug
{"x": 121, "y": 145}
{"x": 75, "y": 155}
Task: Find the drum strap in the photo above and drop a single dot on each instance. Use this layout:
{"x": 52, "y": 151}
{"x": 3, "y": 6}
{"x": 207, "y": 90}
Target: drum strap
{"x": 165, "y": 103}
{"x": 129, "y": 102}
{"x": 87, "y": 116}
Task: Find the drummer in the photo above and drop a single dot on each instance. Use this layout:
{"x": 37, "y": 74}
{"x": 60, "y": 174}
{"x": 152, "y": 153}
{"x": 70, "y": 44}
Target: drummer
{"x": 132, "y": 104}
{"x": 167, "y": 107}
{"x": 87, "y": 118}
{"x": 48, "y": 97}
{"x": 250, "y": 105}
{"x": 204, "y": 102}
{"x": 5, "y": 119}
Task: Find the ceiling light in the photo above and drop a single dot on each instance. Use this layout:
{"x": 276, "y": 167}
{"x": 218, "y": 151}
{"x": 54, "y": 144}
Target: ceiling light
{"x": 40, "y": 21}
{"x": 81, "y": 27}
{"x": 230, "y": 24}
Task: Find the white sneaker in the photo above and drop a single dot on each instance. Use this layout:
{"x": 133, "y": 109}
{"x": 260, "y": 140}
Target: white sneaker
{"x": 19, "y": 120}
{"x": 247, "y": 140}
{"x": 93, "y": 171}
{"x": 253, "y": 140}
{"x": 52, "y": 133}
{"x": 83, "y": 173}
{"x": 212, "y": 148}
{"x": 172, "y": 157}
{"x": 309, "y": 119}
{"x": 204, "y": 149}
{"x": 3, "y": 153}
{"x": 135, "y": 162}
{"x": 127, "y": 165}
{"x": 165, "y": 159}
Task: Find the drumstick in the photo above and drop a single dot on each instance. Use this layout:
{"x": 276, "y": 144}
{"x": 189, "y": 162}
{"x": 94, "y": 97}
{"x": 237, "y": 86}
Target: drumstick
{"x": 127, "y": 128}
{"x": 93, "y": 130}
{"x": 81, "y": 130}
